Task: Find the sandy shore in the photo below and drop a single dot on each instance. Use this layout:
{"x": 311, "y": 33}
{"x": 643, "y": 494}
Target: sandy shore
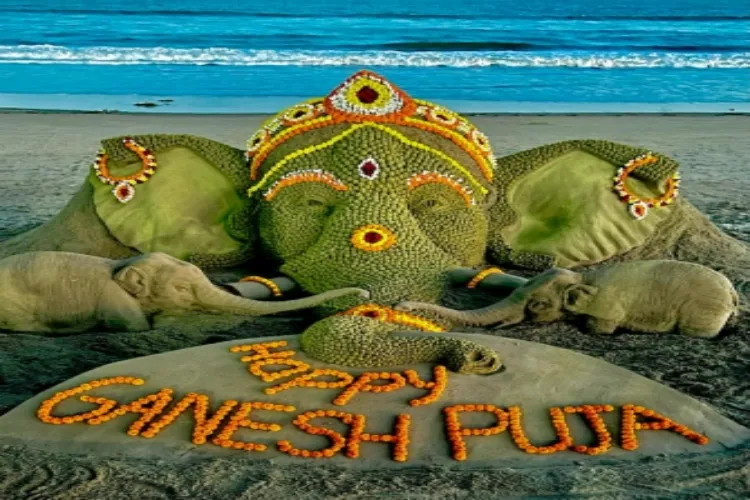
{"x": 44, "y": 158}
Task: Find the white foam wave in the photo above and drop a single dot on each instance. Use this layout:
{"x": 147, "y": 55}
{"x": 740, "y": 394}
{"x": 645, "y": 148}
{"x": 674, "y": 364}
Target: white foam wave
{"x": 53, "y": 54}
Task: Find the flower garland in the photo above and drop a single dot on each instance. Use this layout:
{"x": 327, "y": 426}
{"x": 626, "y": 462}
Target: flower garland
{"x": 307, "y": 380}
{"x": 356, "y": 435}
{"x": 564, "y": 440}
{"x": 456, "y": 431}
{"x": 124, "y": 189}
{"x": 481, "y": 275}
{"x": 204, "y": 426}
{"x": 455, "y": 183}
{"x": 256, "y": 368}
{"x": 299, "y": 176}
{"x": 263, "y": 350}
{"x": 592, "y": 415}
{"x": 264, "y": 357}
{"x": 436, "y": 387}
{"x": 638, "y": 207}
{"x": 275, "y": 290}
{"x": 473, "y": 142}
{"x": 399, "y": 438}
{"x": 233, "y": 415}
{"x": 438, "y": 114}
{"x": 157, "y": 403}
{"x": 278, "y": 166}
{"x": 105, "y": 405}
{"x": 388, "y": 315}
{"x": 239, "y": 419}
{"x": 628, "y": 438}
{"x": 337, "y": 440}
{"x": 362, "y": 384}
{"x": 299, "y": 114}
{"x": 373, "y": 238}
{"x": 366, "y": 97}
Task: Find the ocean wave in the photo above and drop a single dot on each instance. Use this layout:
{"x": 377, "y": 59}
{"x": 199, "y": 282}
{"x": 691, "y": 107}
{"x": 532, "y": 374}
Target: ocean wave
{"x": 53, "y": 54}
{"x": 439, "y": 46}
{"x": 378, "y": 15}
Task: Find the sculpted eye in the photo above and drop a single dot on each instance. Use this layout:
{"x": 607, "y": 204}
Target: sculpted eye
{"x": 429, "y": 205}
{"x": 539, "y": 305}
{"x": 315, "y": 203}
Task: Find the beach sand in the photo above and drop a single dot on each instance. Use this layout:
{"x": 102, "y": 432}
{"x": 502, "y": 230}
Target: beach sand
{"x": 43, "y": 161}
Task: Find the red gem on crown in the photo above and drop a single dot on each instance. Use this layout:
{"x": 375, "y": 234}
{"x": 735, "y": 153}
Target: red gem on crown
{"x": 367, "y": 95}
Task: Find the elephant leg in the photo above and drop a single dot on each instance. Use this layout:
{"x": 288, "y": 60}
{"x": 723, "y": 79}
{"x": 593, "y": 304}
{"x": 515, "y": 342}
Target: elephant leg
{"x": 365, "y": 342}
{"x": 705, "y": 326}
{"x": 600, "y": 326}
{"x": 119, "y": 311}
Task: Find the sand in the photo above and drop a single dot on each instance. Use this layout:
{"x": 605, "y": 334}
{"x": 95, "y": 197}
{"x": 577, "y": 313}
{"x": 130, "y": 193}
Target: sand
{"x": 43, "y": 159}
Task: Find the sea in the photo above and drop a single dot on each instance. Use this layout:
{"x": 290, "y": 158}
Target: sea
{"x": 214, "y": 56}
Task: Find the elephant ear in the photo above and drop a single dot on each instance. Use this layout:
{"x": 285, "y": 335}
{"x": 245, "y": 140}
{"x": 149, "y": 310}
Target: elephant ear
{"x": 192, "y": 205}
{"x": 556, "y": 205}
{"x": 576, "y": 298}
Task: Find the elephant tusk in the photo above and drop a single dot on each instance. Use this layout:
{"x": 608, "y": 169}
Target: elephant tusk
{"x": 259, "y": 291}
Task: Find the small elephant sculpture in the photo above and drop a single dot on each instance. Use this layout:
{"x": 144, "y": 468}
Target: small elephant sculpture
{"x": 646, "y": 296}
{"x": 69, "y": 292}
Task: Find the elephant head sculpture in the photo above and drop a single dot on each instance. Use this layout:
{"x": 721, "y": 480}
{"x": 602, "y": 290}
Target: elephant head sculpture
{"x": 69, "y": 292}
{"x": 371, "y": 188}
{"x": 654, "y": 296}
{"x": 550, "y": 296}
{"x": 164, "y": 284}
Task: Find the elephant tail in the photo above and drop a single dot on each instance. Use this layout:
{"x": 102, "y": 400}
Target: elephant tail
{"x": 734, "y": 317}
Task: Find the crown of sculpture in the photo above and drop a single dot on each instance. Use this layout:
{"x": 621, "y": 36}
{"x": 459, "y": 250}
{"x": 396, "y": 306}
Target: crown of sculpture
{"x": 367, "y": 99}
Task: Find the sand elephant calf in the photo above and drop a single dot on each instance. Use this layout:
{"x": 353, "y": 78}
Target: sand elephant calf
{"x": 68, "y": 292}
{"x": 647, "y": 296}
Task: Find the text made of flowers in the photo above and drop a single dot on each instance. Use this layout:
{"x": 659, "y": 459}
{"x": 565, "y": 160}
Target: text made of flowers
{"x": 218, "y": 426}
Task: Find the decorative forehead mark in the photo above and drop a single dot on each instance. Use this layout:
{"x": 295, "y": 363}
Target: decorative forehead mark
{"x": 311, "y": 149}
{"x": 368, "y": 97}
{"x": 369, "y": 168}
{"x": 300, "y": 176}
{"x": 373, "y": 238}
{"x": 455, "y": 183}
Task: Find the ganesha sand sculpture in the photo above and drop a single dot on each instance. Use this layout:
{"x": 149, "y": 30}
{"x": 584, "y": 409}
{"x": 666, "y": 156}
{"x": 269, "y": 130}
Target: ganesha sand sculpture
{"x": 647, "y": 296}
{"x": 371, "y": 188}
{"x": 68, "y": 292}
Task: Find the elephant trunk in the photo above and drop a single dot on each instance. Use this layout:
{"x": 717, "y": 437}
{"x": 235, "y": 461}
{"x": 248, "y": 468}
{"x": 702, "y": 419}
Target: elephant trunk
{"x": 506, "y": 312}
{"x": 214, "y": 299}
{"x": 368, "y": 343}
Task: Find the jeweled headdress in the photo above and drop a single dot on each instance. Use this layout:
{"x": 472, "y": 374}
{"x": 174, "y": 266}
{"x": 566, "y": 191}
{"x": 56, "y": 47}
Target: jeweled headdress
{"x": 367, "y": 99}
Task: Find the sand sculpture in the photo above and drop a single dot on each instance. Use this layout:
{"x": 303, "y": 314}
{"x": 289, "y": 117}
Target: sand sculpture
{"x": 268, "y": 398}
{"x": 67, "y": 292}
{"x": 653, "y": 296}
{"x": 366, "y": 189}
{"x": 371, "y": 188}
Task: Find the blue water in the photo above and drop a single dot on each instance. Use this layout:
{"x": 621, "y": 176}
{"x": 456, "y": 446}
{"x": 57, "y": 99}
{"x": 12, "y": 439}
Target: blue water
{"x": 668, "y": 54}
